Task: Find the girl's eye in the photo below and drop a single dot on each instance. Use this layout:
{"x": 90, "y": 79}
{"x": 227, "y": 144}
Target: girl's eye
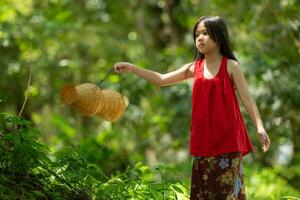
{"x": 204, "y": 33}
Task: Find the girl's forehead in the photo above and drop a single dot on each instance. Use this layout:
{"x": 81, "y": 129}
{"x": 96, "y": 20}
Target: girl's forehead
{"x": 200, "y": 27}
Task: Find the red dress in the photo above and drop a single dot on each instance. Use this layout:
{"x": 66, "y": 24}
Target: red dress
{"x": 217, "y": 126}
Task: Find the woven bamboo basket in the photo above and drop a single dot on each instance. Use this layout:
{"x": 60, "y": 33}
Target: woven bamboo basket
{"x": 89, "y": 100}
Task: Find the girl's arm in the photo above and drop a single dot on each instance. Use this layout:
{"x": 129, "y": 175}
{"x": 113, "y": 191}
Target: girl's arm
{"x": 184, "y": 72}
{"x": 241, "y": 85}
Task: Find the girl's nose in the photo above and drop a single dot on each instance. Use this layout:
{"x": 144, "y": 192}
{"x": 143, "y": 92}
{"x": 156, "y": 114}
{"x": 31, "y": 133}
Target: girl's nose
{"x": 200, "y": 38}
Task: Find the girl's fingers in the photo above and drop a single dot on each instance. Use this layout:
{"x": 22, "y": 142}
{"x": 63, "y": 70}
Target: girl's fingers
{"x": 121, "y": 67}
{"x": 265, "y": 148}
{"x": 265, "y": 142}
{"x": 117, "y": 68}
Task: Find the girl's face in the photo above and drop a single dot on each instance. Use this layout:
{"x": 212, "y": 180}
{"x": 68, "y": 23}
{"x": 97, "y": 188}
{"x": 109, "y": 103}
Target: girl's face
{"x": 204, "y": 43}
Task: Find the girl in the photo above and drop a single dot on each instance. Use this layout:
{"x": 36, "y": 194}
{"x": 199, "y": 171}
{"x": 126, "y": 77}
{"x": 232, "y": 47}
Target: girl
{"x": 218, "y": 136}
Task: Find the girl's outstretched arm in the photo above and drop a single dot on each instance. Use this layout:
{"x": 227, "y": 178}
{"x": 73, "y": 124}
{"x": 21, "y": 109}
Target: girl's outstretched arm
{"x": 241, "y": 85}
{"x": 184, "y": 72}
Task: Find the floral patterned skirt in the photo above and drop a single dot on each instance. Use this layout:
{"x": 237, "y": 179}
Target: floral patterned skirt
{"x": 218, "y": 178}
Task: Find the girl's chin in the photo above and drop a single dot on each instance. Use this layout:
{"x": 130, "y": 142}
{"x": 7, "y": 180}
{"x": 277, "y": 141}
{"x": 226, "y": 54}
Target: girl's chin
{"x": 201, "y": 51}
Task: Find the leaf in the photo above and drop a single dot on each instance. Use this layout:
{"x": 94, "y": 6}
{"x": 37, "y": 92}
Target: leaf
{"x": 177, "y": 189}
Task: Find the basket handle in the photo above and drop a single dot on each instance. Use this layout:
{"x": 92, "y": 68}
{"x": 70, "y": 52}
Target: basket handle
{"x": 106, "y": 76}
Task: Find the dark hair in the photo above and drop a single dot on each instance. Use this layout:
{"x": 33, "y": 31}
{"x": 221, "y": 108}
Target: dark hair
{"x": 217, "y": 31}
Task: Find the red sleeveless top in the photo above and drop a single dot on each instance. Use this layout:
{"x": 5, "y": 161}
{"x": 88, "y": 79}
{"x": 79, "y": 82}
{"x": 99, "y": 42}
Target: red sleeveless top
{"x": 217, "y": 126}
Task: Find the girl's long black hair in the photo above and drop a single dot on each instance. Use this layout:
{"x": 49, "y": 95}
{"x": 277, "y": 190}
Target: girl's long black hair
{"x": 217, "y": 31}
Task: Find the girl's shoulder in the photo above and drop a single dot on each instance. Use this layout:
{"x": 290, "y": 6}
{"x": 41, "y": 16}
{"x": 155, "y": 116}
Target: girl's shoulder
{"x": 191, "y": 67}
{"x": 232, "y": 66}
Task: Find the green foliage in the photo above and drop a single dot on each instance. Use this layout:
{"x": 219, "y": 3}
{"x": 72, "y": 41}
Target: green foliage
{"x": 79, "y": 42}
{"x": 138, "y": 183}
{"x": 28, "y": 170}
{"x": 69, "y": 41}
{"x": 271, "y": 183}
{"x": 28, "y": 173}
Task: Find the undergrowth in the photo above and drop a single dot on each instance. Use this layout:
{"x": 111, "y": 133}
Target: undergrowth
{"x": 28, "y": 170}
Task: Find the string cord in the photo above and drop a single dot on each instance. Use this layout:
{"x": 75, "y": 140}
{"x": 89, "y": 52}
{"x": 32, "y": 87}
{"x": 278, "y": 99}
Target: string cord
{"x": 107, "y": 75}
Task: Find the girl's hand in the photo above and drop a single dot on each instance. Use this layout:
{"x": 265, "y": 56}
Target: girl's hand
{"x": 121, "y": 67}
{"x": 264, "y": 139}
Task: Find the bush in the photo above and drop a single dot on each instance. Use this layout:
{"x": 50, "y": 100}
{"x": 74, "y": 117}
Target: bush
{"x": 27, "y": 172}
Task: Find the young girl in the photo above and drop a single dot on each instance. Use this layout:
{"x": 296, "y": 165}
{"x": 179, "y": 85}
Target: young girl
{"x": 218, "y": 136}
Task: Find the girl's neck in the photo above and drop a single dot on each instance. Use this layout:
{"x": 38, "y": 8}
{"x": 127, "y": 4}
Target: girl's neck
{"x": 213, "y": 57}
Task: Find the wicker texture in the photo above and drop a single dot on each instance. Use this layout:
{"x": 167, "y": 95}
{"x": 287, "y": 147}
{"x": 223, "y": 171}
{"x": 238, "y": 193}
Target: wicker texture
{"x": 88, "y": 99}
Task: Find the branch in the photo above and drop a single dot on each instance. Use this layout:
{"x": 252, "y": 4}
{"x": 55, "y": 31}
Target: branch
{"x": 28, "y": 85}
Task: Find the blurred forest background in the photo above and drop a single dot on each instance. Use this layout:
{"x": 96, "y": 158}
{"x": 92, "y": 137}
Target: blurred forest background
{"x": 144, "y": 155}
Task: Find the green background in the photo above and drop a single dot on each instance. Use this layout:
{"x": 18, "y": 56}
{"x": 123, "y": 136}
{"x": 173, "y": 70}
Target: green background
{"x": 78, "y": 41}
